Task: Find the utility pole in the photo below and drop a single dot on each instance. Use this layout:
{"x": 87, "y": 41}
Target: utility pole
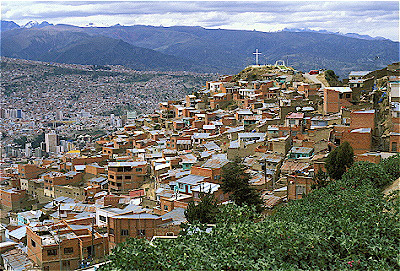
{"x": 58, "y": 235}
{"x": 92, "y": 255}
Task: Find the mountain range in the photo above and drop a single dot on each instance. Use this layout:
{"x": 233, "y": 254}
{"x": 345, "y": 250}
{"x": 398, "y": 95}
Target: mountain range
{"x": 195, "y": 48}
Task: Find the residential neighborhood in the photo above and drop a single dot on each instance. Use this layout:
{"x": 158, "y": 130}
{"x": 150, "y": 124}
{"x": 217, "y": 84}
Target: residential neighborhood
{"x": 67, "y": 203}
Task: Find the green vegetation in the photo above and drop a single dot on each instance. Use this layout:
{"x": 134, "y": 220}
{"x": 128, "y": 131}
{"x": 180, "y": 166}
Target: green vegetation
{"x": 236, "y": 182}
{"x": 332, "y": 78}
{"x": 338, "y": 227}
{"x": 21, "y": 141}
{"x": 339, "y": 160}
{"x": 320, "y": 179}
{"x": 203, "y": 212}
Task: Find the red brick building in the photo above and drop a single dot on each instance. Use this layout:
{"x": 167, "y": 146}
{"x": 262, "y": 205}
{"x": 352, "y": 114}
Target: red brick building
{"x": 336, "y": 97}
{"x": 126, "y": 176}
{"x": 65, "y": 243}
{"x": 29, "y": 171}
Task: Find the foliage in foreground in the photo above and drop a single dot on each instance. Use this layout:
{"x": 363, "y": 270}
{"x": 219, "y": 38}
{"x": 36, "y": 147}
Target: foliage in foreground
{"x": 347, "y": 225}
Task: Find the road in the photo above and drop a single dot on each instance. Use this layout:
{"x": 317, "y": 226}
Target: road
{"x": 313, "y": 78}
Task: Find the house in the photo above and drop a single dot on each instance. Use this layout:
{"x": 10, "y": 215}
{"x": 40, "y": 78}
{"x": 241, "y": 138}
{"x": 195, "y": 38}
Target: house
{"x": 188, "y": 160}
{"x": 294, "y": 119}
{"x": 185, "y": 184}
{"x": 212, "y": 168}
{"x": 122, "y": 227}
{"x": 337, "y": 97}
{"x": 301, "y": 152}
{"x": 298, "y": 186}
{"x": 30, "y": 171}
{"x": 64, "y": 244}
{"x": 362, "y": 119}
{"x": 15, "y": 200}
{"x": 125, "y": 176}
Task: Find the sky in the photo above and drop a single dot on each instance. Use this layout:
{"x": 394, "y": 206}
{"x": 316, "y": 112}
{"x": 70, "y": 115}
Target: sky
{"x": 374, "y": 18}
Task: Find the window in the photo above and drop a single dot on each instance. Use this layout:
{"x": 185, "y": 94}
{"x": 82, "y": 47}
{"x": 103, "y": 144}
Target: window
{"x": 51, "y": 252}
{"x": 170, "y": 234}
{"x": 128, "y": 177}
{"x": 165, "y": 207}
{"x": 33, "y": 243}
{"x": 139, "y": 169}
{"x": 68, "y": 250}
{"x": 124, "y": 232}
{"x": 119, "y": 177}
{"x": 292, "y": 122}
{"x": 112, "y": 177}
{"x": 300, "y": 189}
{"x": 111, "y": 230}
{"x": 394, "y": 146}
{"x": 119, "y": 184}
{"x": 102, "y": 218}
{"x": 348, "y": 95}
{"x": 141, "y": 232}
{"x": 46, "y": 268}
{"x": 180, "y": 185}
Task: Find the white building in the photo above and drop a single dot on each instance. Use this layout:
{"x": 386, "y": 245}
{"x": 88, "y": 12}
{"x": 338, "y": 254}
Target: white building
{"x": 51, "y": 142}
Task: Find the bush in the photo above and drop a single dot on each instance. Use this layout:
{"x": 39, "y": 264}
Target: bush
{"x": 366, "y": 173}
{"x": 391, "y": 166}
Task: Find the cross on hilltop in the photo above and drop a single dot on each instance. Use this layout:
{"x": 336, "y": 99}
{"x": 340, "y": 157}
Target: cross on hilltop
{"x": 256, "y": 53}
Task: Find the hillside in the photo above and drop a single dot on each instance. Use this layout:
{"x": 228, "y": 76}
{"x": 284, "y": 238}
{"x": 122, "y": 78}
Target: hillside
{"x": 347, "y": 225}
{"x": 55, "y": 45}
{"x": 219, "y": 50}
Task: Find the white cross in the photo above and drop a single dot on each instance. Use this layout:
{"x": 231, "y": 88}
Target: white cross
{"x": 256, "y": 53}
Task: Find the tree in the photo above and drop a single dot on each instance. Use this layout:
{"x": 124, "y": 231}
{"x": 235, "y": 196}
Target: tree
{"x": 339, "y": 160}
{"x": 236, "y": 181}
{"x": 320, "y": 179}
{"x": 204, "y": 211}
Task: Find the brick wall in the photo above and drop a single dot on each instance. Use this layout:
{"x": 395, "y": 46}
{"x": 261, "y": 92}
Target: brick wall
{"x": 362, "y": 120}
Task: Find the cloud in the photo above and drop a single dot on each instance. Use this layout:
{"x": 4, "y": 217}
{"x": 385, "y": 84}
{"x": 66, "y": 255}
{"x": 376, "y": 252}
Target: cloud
{"x": 363, "y": 17}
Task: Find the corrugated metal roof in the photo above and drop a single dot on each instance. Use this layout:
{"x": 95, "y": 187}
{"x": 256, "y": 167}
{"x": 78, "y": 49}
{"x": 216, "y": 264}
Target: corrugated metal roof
{"x": 138, "y": 216}
{"x": 18, "y": 233}
{"x": 191, "y": 179}
{"x": 127, "y": 164}
{"x": 177, "y": 215}
{"x": 215, "y": 163}
{"x": 206, "y": 187}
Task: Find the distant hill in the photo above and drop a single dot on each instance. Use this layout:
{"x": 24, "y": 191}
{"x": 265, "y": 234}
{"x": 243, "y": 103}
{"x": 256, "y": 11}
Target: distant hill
{"x": 219, "y": 50}
{"x": 53, "y": 45}
{"x": 8, "y": 25}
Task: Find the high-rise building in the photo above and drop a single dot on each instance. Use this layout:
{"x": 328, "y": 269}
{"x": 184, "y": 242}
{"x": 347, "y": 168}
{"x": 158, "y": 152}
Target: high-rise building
{"x": 28, "y": 150}
{"x": 51, "y": 142}
{"x": 38, "y": 152}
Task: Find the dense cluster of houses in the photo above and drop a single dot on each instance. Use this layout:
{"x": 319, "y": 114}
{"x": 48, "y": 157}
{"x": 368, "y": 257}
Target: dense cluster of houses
{"x": 64, "y": 211}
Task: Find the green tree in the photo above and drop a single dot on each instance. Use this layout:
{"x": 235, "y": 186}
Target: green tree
{"x": 332, "y": 78}
{"x": 320, "y": 179}
{"x": 236, "y": 182}
{"x": 204, "y": 212}
{"x": 339, "y": 160}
